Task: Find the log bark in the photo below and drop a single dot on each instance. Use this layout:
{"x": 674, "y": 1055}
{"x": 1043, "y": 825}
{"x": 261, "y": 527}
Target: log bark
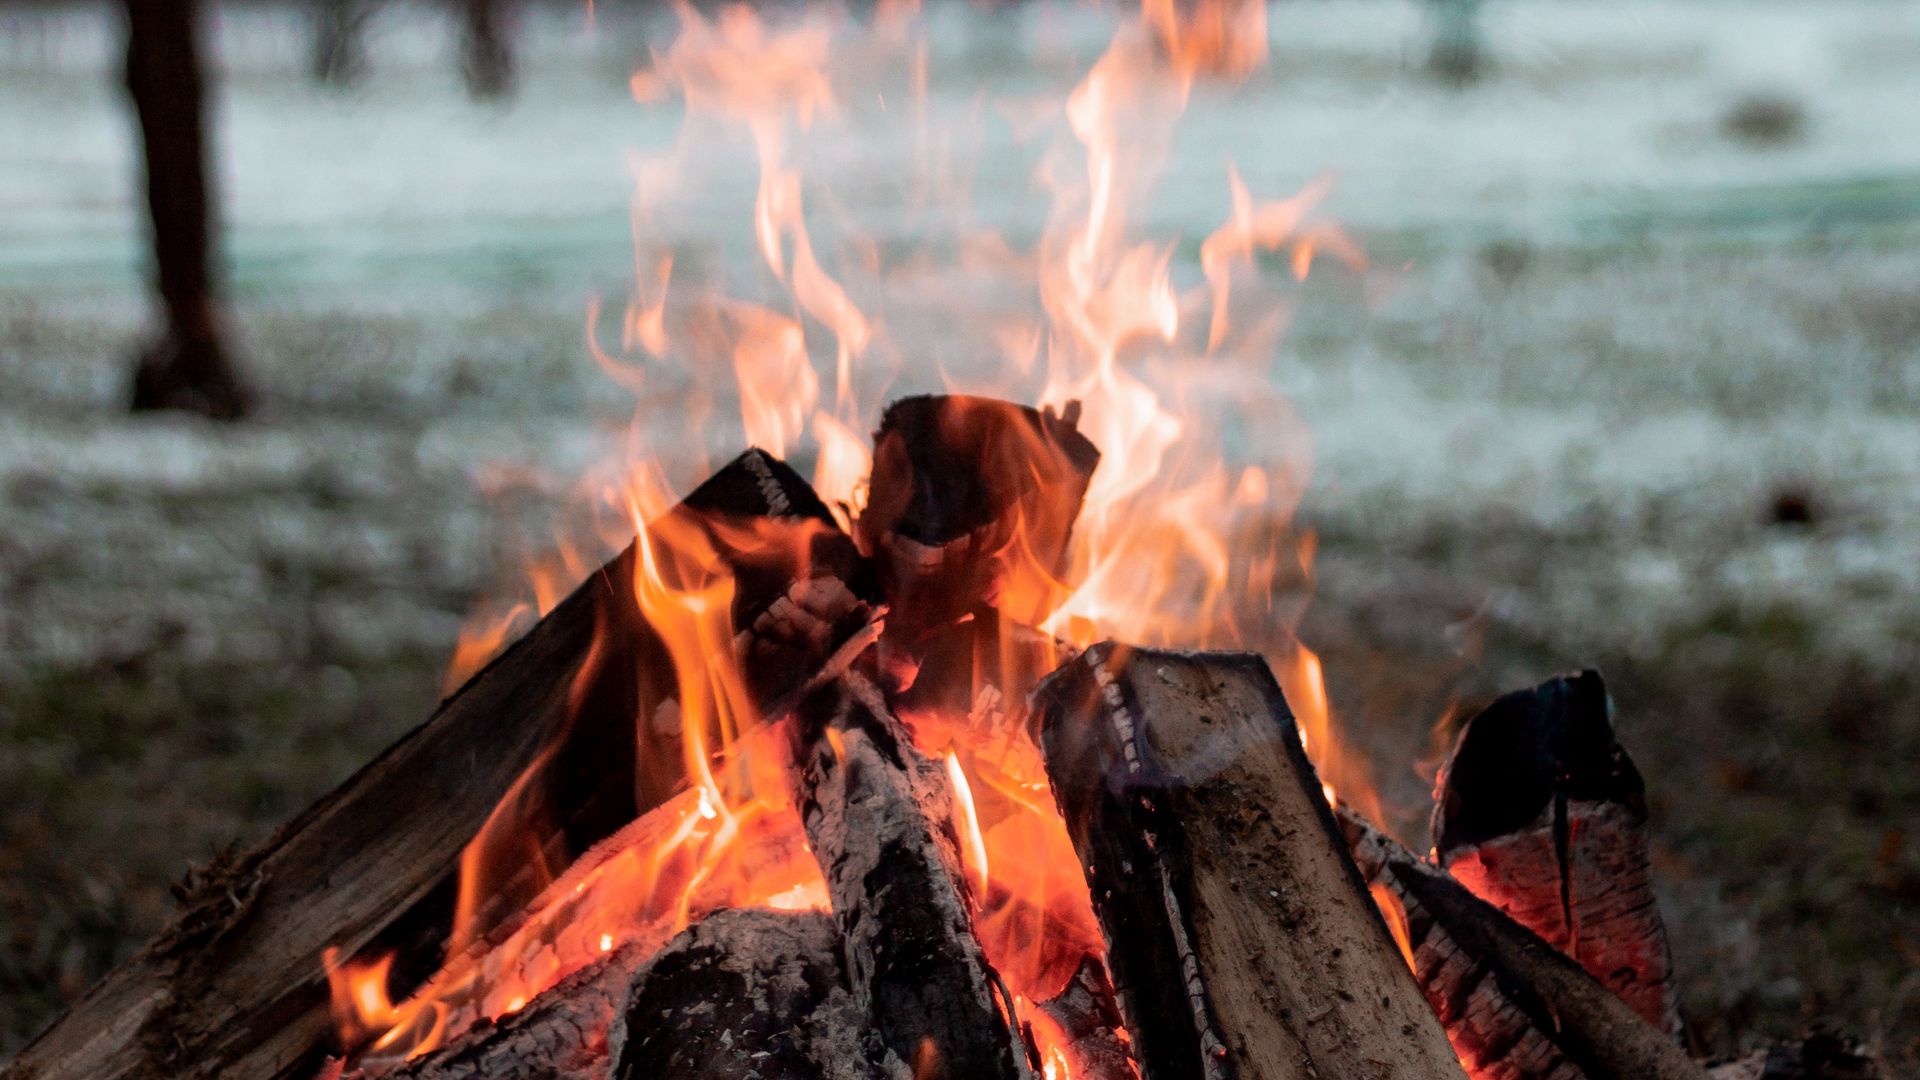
{"x": 1541, "y": 812}
{"x": 1515, "y": 1008}
{"x": 1241, "y": 939}
{"x": 236, "y": 987}
{"x": 880, "y": 819}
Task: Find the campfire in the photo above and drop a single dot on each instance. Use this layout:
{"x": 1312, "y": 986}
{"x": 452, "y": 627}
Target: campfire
{"x": 943, "y": 764}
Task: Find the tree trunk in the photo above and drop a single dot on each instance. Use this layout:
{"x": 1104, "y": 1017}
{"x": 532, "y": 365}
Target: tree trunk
{"x": 189, "y": 368}
{"x": 1241, "y": 939}
{"x": 340, "y": 40}
{"x": 486, "y": 51}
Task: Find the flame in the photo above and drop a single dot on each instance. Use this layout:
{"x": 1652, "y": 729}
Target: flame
{"x": 1172, "y": 544}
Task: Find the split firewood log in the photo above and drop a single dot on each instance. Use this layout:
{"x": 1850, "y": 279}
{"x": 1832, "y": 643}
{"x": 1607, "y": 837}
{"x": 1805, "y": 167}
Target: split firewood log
{"x": 881, "y": 821}
{"x": 1211, "y": 852}
{"x": 1541, "y": 812}
{"x": 236, "y": 986}
{"x": 970, "y": 503}
{"x": 1514, "y": 1007}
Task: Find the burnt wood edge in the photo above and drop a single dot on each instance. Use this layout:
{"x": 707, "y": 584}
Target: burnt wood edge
{"x": 1528, "y": 750}
{"x": 1593, "y": 1027}
{"x": 151, "y": 1016}
{"x": 1138, "y": 917}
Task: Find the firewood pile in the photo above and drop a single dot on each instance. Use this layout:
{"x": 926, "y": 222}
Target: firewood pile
{"x": 1237, "y": 923}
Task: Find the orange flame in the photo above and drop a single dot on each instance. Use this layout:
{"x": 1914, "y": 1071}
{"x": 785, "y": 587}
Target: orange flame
{"x": 1172, "y": 545}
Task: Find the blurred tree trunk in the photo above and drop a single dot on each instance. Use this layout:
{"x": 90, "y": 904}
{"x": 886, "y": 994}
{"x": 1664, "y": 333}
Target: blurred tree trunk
{"x": 189, "y": 368}
{"x": 339, "y": 40}
{"x": 1457, "y": 56}
{"x": 487, "y": 55}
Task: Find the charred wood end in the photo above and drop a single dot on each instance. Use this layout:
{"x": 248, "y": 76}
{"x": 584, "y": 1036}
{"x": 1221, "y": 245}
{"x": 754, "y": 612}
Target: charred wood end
{"x": 1513, "y": 1005}
{"x": 1541, "y": 812}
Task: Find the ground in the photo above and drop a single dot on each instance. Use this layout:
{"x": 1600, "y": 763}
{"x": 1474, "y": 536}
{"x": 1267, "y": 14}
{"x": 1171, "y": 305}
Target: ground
{"x": 1633, "y": 385}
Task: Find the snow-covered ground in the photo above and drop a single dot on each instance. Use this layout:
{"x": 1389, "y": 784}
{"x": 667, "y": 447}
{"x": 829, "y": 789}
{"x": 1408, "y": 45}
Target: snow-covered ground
{"x": 1602, "y": 339}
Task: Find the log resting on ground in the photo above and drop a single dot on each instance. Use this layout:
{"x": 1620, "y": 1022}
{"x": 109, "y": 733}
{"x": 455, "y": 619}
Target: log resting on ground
{"x": 880, "y": 818}
{"x": 1515, "y": 1008}
{"x": 1541, "y": 812}
{"x": 1241, "y": 939}
{"x": 236, "y": 986}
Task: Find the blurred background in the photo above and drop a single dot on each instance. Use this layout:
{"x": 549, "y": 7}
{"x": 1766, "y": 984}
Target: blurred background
{"x": 1634, "y": 384}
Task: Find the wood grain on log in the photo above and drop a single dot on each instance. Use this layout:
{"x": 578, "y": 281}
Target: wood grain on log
{"x": 1515, "y": 1008}
{"x": 1541, "y": 812}
{"x": 1242, "y": 941}
{"x": 235, "y": 987}
{"x": 880, "y": 818}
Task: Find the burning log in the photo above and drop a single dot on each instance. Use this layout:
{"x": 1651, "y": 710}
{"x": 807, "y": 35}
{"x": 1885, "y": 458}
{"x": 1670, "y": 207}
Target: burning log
{"x": 880, "y": 818}
{"x": 1541, "y": 812}
{"x": 1514, "y": 1007}
{"x": 235, "y": 987}
{"x": 742, "y": 994}
{"x": 1212, "y": 853}
{"x": 970, "y": 506}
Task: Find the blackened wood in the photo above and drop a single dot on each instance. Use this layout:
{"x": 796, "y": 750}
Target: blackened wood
{"x": 744, "y": 995}
{"x": 1088, "y": 1014}
{"x": 1241, "y": 939}
{"x": 880, "y": 818}
{"x": 970, "y": 505}
{"x": 1515, "y": 1007}
{"x": 189, "y": 367}
{"x": 1541, "y": 812}
{"x": 235, "y": 987}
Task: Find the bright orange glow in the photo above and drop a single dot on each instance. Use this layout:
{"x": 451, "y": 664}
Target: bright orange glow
{"x": 1177, "y": 542}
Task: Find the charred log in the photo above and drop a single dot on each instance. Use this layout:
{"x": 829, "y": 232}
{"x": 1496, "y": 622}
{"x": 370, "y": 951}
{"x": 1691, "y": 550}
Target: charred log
{"x": 880, "y": 819}
{"x": 1211, "y": 853}
{"x": 1088, "y": 1014}
{"x": 1541, "y": 812}
{"x": 741, "y": 994}
{"x": 970, "y": 506}
{"x": 235, "y": 987}
{"x": 744, "y": 995}
{"x": 1514, "y": 1007}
